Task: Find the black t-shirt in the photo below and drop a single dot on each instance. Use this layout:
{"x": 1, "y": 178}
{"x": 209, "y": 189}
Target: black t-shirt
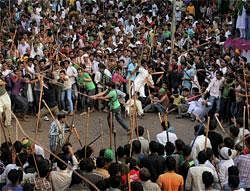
{"x": 50, "y": 96}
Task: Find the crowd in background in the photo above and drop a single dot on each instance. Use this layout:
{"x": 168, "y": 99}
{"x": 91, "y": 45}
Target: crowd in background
{"x": 84, "y": 56}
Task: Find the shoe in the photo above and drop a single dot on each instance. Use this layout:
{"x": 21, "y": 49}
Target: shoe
{"x": 63, "y": 111}
{"x": 46, "y": 118}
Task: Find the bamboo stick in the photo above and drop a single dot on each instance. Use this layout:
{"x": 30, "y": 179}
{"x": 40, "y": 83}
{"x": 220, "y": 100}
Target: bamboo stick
{"x": 244, "y": 125}
{"x": 39, "y": 108}
{"x": 207, "y": 129}
{"x": 220, "y": 125}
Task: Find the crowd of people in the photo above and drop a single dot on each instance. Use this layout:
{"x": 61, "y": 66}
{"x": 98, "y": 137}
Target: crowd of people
{"x": 126, "y": 57}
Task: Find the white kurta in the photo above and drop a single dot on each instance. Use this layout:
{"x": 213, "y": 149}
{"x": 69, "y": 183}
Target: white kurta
{"x": 241, "y": 20}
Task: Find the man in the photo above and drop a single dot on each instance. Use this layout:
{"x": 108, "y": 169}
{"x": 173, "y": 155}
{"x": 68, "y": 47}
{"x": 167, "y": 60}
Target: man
{"x": 170, "y": 181}
{"x": 166, "y": 135}
{"x": 85, "y": 80}
{"x": 18, "y": 85}
{"x": 143, "y": 77}
{"x": 71, "y": 72}
{"x": 30, "y": 147}
{"x": 56, "y": 133}
{"x": 214, "y": 89}
{"x": 243, "y": 164}
{"x": 194, "y": 176}
{"x": 111, "y": 96}
{"x": 5, "y": 104}
{"x": 144, "y": 142}
{"x": 147, "y": 184}
{"x": 67, "y": 90}
{"x": 159, "y": 105}
{"x": 102, "y": 77}
{"x": 198, "y": 143}
{"x": 61, "y": 178}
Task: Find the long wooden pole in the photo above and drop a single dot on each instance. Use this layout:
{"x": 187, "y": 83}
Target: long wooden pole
{"x": 110, "y": 128}
{"x": 244, "y": 125}
{"x": 39, "y": 107}
{"x": 207, "y": 129}
{"x": 220, "y": 125}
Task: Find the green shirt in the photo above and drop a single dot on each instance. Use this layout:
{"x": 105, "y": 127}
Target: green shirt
{"x": 113, "y": 100}
{"x": 81, "y": 80}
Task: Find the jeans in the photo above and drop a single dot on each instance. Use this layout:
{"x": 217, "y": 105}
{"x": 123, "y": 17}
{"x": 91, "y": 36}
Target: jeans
{"x": 118, "y": 117}
{"x": 68, "y": 93}
{"x": 155, "y": 107}
{"x": 215, "y": 103}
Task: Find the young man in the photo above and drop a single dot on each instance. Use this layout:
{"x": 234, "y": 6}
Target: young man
{"x": 67, "y": 85}
{"x": 159, "y": 104}
{"x": 84, "y": 79}
{"x": 170, "y": 181}
{"x": 56, "y": 133}
{"x": 111, "y": 96}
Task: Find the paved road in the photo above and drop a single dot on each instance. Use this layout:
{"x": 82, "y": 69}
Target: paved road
{"x": 184, "y": 129}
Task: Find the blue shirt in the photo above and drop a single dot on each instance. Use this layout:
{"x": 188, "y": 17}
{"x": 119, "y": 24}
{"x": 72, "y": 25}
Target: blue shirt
{"x": 131, "y": 68}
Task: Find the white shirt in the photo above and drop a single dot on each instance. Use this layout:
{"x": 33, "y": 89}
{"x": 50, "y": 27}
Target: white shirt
{"x": 214, "y": 87}
{"x": 199, "y": 145}
{"x": 72, "y": 73}
{"x": 162, "y": 137}
{"x": 23, "y": 48}
{"x": 223, "y": 170}
{"x": 194, "y": 177}
{"x": 240, "y": 135}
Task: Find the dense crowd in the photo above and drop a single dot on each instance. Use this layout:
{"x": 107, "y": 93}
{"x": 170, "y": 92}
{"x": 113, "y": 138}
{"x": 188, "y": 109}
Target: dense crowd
{"x": 126, "y": 57}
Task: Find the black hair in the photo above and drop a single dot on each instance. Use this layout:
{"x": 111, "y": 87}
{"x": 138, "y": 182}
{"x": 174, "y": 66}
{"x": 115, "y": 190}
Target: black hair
{"x": 114, "y": 169}
{"x": 170, "y": 163}
{"x": 136, "y": 146}
{"x": 199, "y": 129}
{"x": 140, "y": 131}
{"x": 229, "y": 142}
{"x": 207, "y": 179}
{"x": 187, "y": 150}
{"x": 233, "y": 170}
{"x": 22, "y": 159}
{"x": 100, "y": 162}
{"x": 153, "y": 146}
{"x": 75, "y": 178}
{"x": 120, "y": 152}
{"x": 63, "y": 71}
{"x": 15, "y": 176}
{"x": 234, "y": 131}
{"x": 65, "y": 148}
{"x": 209, "y": 153}
{"x": 43, "y": 168}
{"x": 87, "y": 165}
{"x": 219, "y": 73}
{"x": 61, "y": 165}
{"x": 18, "y": 146}
{"x": 144, "y": 174}
{"x": 115, "y": 181}
{"x": 179, "y": 145}
{"x": 202, "y": 157}
{"x": 101, "y": 152}
{"x": 127, "y": 150}
{"x": 160, "y": 149}
{"x": 136, "y": 186}
{"x": 239, "y": 121}
{"x": 233, "y": 181}
{"x": 28, "y": 186}
{"x": 132, "y": 163}
{"x": 169, "y": 148}
{"x": 60, "y": 116}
